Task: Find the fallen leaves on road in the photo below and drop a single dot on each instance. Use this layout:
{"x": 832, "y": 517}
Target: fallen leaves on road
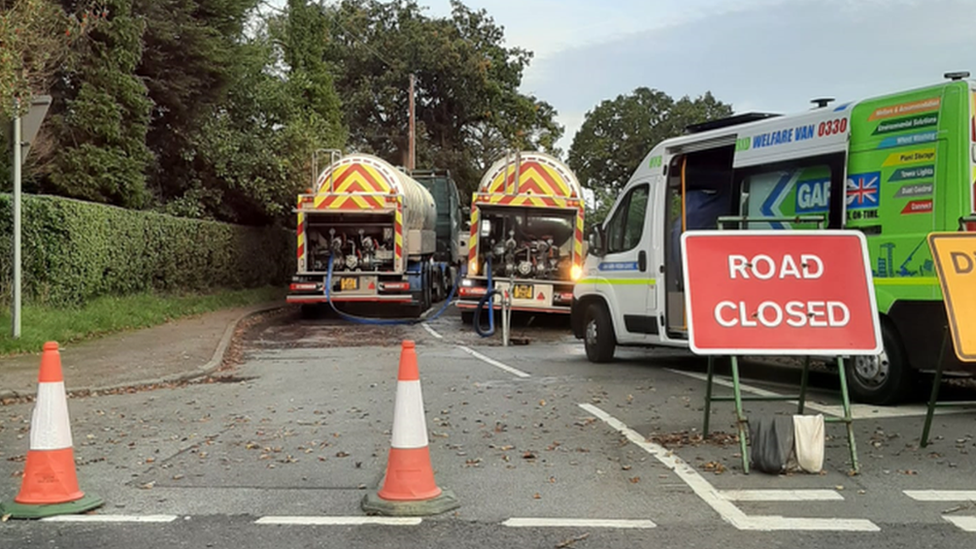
{"x": 714, "y": 466}
{"x": 686, "y": 438}
{"x": 571, "y": 541}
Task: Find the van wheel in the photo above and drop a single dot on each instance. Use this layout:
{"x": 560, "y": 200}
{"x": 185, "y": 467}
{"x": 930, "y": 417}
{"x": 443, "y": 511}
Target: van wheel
{"x": 884, "y": 379}
{"x": 598, "y": 336}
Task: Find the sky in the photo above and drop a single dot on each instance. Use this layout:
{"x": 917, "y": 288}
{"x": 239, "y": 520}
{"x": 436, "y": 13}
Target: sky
{"x": 757, "y": 55}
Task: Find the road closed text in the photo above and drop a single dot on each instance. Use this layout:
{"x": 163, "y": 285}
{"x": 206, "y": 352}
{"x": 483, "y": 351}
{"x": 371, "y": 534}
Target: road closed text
{"x": 816, "y": 314}
{"x": 771, "y": 313}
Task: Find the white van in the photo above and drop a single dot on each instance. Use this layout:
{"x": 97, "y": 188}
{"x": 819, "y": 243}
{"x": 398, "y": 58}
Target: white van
{"x": 875, "y": 166}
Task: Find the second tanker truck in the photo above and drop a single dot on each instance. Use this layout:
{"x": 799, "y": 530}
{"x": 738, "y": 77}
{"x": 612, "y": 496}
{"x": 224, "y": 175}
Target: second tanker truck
{"x": 526, "y": 236}
{"x": 376, "y": 226}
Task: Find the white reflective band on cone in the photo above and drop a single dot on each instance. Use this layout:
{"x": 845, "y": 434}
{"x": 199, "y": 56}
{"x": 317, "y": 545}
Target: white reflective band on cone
{"x": 409, "y": 426}
{"x": 50, "y": 429}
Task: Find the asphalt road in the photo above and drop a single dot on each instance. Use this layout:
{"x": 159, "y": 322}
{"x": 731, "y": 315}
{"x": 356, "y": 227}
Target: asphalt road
{"x": 541, "y": 447}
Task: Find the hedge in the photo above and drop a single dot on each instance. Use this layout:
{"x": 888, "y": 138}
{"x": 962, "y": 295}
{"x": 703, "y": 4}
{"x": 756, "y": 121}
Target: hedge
{"x": 73, "y": 251}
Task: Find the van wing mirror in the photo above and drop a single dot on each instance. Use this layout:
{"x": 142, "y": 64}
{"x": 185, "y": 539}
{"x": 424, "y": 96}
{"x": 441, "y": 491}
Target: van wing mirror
{"x": 595, "y": 241}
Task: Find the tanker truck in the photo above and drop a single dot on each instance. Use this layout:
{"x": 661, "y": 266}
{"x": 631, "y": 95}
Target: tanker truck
{"x": 377, "y": 227}
{"x": 526, "y": 236}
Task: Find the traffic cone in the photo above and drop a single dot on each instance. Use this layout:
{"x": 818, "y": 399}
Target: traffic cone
{"x": 50, "y": 485}
{"x": 409, "y": 489}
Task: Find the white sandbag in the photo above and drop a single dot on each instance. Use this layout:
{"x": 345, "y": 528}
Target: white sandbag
{"x": 808, "y": 436}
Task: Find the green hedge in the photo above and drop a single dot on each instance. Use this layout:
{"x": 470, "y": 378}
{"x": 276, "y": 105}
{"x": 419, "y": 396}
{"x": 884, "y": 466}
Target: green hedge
{"x": 73, "y": 251}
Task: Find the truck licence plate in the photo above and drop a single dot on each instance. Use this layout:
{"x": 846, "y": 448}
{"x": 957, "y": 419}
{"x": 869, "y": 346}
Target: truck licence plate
{"x": 522, "y": 291}
{"x": 348, "y": 283}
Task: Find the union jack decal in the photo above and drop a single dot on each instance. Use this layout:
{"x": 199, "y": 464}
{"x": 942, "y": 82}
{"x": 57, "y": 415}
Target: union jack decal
{"x": 863, "y": 191}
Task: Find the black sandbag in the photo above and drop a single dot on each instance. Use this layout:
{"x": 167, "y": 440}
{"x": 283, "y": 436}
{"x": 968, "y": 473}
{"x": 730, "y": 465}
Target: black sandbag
{"x": 772, "y": 443}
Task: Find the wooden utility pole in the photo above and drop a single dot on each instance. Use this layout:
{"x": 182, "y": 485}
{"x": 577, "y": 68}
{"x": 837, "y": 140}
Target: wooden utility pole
{"x": 412, "y": 147}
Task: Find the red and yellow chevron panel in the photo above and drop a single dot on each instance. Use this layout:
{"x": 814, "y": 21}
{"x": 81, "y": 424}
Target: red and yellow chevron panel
{"x": 536, "y": 177}
{"x": 300, "y": 231}
{"x": 526, "y": 200}
{"x": 578, "y": 241}
{"x": 350, "y": 202}
{"x": 398, "y": 233}
{"x": 473, "y": 241}
{"x": 358, "y": 177}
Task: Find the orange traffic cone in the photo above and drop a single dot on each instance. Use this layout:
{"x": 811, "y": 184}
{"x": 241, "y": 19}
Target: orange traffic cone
{"x": 409, "y": 487}
{"x": 50, "y": 485}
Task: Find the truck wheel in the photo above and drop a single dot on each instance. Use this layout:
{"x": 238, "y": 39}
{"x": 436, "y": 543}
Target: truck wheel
{"x": 884, "y": 379}
{"x": 467, "y": 317}
{"x": 598, "y": 337}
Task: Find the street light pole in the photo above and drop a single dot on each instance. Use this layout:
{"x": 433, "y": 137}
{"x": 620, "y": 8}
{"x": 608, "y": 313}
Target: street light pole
{"x": 17, "y": 162}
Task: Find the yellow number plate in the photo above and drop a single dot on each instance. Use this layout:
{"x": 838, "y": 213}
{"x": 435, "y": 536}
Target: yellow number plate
{"x": 348, "y": 283}
{"x": 522, "y": 291}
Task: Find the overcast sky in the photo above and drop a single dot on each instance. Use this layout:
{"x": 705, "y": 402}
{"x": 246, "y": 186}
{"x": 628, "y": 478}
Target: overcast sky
{"x": 758, "y": 55}
{"x": 765, "y": 55}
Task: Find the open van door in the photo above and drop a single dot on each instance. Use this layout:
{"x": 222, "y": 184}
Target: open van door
{"x": 700, "y": 190}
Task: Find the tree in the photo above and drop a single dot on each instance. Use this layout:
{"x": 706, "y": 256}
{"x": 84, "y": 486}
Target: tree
{"x": 617, "y": 134}
{"x": 36, "y": 40}
{"x": 100, "y": 115}
{"x": 189, "y": 61}
{"x": 468, "y": 106}
{"x": 38, "y": 44}
{"x": 252, "y": 155}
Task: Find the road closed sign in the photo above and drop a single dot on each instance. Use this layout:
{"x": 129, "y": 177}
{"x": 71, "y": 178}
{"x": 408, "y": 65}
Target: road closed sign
{"x": 779, "y": 293}
{"x": 955, "y": 264}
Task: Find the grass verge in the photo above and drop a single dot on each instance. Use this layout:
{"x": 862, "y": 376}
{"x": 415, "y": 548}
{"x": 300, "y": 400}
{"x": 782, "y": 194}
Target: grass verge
{"x": 109, "y": 315}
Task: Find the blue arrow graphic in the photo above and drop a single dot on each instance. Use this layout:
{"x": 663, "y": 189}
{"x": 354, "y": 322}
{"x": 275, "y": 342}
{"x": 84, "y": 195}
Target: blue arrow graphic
{"x": 767, "y": 206}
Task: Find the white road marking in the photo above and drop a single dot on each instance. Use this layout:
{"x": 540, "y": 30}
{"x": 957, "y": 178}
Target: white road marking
{"x": 110, "y": 518}
{"x": 578, "y": 523}
{"x": 493, "y": 362}
{"x": 858, "y": 411}
{"x": 340, "y": 521}
{"x": 781, "y": 495}
{"x": 772, "y": 522}
{"x": 431, "y": 330}
{"x": 726, "y": 509}
{"x": 941, "y": 495}
{"x": 966, "y": 523}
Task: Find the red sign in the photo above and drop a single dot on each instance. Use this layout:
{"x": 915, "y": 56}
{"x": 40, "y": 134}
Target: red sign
{"x": 779, "y": 293}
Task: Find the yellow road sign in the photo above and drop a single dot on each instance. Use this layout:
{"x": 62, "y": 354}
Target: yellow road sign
{"x": 955, "y": 264}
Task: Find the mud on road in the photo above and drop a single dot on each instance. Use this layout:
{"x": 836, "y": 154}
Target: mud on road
{"x": 289, "y": 329}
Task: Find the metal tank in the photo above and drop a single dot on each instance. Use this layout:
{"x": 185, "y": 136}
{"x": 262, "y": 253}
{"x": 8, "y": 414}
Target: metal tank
{"x": 419, "y": 209}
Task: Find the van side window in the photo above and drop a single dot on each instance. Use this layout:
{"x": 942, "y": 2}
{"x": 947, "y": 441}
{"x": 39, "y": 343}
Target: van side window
{"x": 627, "y": 224}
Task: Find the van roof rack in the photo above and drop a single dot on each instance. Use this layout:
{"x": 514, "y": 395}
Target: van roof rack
{"x": 734, "y": 120}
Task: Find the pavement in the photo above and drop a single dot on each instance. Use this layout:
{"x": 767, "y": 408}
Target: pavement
{"x": 179, "y": 350}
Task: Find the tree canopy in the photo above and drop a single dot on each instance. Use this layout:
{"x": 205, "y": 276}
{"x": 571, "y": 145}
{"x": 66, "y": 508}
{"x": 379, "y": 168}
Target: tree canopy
{"x": 617, "y": 134}
{"x": 213, "y": 108}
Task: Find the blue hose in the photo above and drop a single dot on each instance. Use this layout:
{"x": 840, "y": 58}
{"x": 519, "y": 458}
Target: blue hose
{"x": 481, "y": 303}
{"x": 386, "y": 321}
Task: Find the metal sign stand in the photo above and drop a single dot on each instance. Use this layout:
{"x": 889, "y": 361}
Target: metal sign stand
{"x": 933, "y": 402}
{"x": 741, "y": 419}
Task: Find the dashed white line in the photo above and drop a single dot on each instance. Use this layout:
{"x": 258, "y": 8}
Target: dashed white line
{"x": 493, "y": 362}
{"x": 726, "y": 509}
{"x": 340, "y": 521}
{"x": 965, "y": 523}
{"x": 941, "y": 495}
{"x": 431, "y": 330}
{"x": 110, "y": 518}
{"x": 781, "y": 495}
{"x": 578, "y": 523}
